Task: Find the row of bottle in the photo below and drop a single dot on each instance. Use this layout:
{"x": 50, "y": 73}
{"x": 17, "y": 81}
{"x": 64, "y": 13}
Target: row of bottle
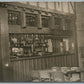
{"x": 21, "y": 52}
{"x": 37, "y": 44}
{"x": 29, "y": 45}
{"x": 27, "y": 40}
{"x": 28, "y": 51}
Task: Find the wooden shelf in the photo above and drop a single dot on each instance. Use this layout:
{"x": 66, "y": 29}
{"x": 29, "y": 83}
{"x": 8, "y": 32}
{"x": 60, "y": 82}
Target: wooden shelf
{"x": 36, "y": 57}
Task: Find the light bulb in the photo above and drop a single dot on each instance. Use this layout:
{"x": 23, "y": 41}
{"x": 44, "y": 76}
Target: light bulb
{"x": 6, "y": 65}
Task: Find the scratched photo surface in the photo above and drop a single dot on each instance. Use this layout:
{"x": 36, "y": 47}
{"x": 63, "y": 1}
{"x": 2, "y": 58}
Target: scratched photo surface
{"x": 41, "y": 41}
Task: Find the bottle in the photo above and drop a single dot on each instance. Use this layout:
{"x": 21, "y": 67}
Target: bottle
{"x": 36, "y": 37}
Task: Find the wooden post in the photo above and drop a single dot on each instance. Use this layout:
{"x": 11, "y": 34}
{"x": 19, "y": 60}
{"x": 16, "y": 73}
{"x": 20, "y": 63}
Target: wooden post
{"x": 23, "y": 19}
{"x": 39, "y": 22}
{"x": 4, "y": 46}
{"x": 51, "y": 23}
{"x": 63, "y": 24}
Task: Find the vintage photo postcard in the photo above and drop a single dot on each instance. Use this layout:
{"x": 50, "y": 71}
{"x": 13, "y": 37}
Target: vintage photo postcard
{"x": 41, "y": 41}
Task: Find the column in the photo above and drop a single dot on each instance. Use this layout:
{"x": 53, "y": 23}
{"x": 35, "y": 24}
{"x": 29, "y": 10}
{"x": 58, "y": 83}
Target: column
{"x": 4, "y": 45}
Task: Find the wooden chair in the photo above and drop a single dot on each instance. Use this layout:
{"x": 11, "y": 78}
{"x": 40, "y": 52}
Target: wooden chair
{"x": 57, "y": 76}
{"x": 66, "y": 76}
{"x": 44, "y": 76}
{"x": 75, "y": 74}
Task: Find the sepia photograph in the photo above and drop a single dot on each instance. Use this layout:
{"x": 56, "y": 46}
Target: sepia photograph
{"x": 41, "y": 41}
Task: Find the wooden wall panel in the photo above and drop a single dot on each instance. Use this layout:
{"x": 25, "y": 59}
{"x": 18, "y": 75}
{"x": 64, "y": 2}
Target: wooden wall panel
{"x": 22, "y": 68}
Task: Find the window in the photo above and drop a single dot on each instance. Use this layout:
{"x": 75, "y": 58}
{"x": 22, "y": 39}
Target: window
{"x": 45, "y": 21}
{"x": 31, "y": 19}
{"x": 14, "y": 18}
{"x": 67, "y": 24}
{"x": 58, "y": 23}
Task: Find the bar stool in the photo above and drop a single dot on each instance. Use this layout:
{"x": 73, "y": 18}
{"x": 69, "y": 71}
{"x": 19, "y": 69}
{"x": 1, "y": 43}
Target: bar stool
{"x": 75, "y": 74}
